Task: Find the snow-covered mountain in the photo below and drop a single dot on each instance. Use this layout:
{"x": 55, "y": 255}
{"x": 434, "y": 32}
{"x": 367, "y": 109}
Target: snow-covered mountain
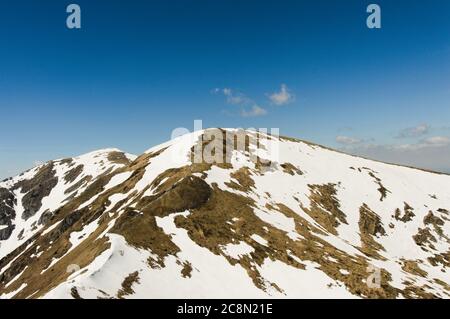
{"x": 302, "y": 221}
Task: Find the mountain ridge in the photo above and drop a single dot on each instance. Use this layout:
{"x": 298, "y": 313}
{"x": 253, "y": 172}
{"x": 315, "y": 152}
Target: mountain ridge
{"x": 108, "y": 149}
{"x": 306, "y": 223}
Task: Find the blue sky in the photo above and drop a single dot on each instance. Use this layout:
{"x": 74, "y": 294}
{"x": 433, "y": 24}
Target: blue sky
{"x": 138, "y": 69}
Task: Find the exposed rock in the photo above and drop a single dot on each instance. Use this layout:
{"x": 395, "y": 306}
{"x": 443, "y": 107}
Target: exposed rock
{"x": 383, "y": 190}
{"x": 5, "y": 233}
{"x": 187, "y": 270}
{"x": 291, "y": 169}
{"x": 118, "y": 158}
{"x": 45, "y": 217}
{"x": 325, "y": 207}
{"x": 408, "y": 214}
{"x": 7, "y": 212}
{"x": 370, "y": 227}
{"x": 412, "y": 267}
{"x": 36, "y": 189}
{"x": 127, "y": 285}
{"x": 72, "y": 175}
{"x": 75, "y": 294}
{"x": 424, "y": 237}
{"x": 7, "y": 202}
{"x": 81, "y": 183}
{"x": 191, "y": 192}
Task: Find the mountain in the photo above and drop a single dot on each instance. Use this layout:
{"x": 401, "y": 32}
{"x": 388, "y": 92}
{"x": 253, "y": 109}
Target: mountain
{"x": 203, "y": 216}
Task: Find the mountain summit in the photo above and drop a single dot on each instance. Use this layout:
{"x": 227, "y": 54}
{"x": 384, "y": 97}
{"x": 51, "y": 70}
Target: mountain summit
{"x": 204, "y": 216}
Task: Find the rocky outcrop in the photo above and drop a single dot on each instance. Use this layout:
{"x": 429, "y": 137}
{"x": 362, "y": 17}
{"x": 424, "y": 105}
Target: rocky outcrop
{"x": 191, "y": 192}
{"x": 7, "y": 213}
{"x": 36, "y": 189}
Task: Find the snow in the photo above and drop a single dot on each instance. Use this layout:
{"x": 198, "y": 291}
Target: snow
{"x": 175, "y": 154}
{"x": 9, "y": 245}
{"x": 259, "y": 239}
{"x": 236, "y": 251}
{"x": 114, "y": 199}
{"x": 344, "y": 272}
{"x": 118, "y": 179}
{"x": 77, "y": 237}
{"x": 15, "y": 278}
{"x": 306, "y": 284}
{"x": 49, "y": 229}
{"x": 354, "y": 187}
{"x": 94, "y": 164}
{"x": 278, "y": 220}
{"x": 13, "y": 293}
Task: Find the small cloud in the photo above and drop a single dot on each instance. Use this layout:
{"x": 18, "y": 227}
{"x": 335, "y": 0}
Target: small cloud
{"x": 234, "y": 98}
{"x": 351, "y": 143}
{"x": 255, "y": 111}
{"x": 437, "y": 141}
{"x": 430, "y": 142}
{"x": 283, "y": 97}
{"x": 346, "y": 140}
{"x": 430, "y": 153}
{"x": 416, "y": 131}
{"x": 249, "y": 108}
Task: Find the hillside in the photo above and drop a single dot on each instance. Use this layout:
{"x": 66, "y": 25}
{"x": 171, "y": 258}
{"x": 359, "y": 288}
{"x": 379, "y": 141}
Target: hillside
{"x": 277, "y": 217}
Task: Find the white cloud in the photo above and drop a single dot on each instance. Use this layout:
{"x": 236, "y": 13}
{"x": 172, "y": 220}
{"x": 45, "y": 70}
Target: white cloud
{"x": 254, "y": 111}
{"x": 437, "y": 141}
{"x": 283, "y": 97}
{"x": 346, "y": 140}
{"x": 235, "y": 98}
{"x": 232, "y": 97}
{"x": 429, "y": 153}
{"x": 249, "y": 108}
{"x": 430, "y": 142}
{"x": 434, "y": 141}
{"x": 416, "y": 131}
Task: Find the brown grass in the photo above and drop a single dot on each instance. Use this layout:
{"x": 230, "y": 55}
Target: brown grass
{"x": 325, "y": 207}
{"x": 370, "y": 227}
{"x": 127, "y": 284}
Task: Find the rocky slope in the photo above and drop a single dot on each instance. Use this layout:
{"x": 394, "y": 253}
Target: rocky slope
{"x": 277, "y": 217}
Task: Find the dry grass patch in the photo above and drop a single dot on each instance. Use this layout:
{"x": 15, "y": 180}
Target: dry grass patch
{"x": 412, "y": 267}
{"x": 118, "y": 158}
{"x": 325, "y": 207}
{"x": 408, "y": 213}
{"x": 291, "y": 169}
{"x": 127, "y": 284}
{"x": 370, "y": 227}
{"x": 244, "y": 182}
{"x": 186, "y": 272}
{"x": 141, "y": 231}
{"x": 73, "y": 174}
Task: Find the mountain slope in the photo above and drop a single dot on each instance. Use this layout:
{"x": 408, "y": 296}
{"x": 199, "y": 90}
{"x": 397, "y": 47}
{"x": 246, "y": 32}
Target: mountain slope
{"x": 28, "y": 200}
{"x": 277, "y": 217}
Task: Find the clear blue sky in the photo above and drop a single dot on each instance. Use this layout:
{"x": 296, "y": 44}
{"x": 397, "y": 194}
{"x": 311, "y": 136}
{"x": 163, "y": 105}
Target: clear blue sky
{"x": 138, "y": 69}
